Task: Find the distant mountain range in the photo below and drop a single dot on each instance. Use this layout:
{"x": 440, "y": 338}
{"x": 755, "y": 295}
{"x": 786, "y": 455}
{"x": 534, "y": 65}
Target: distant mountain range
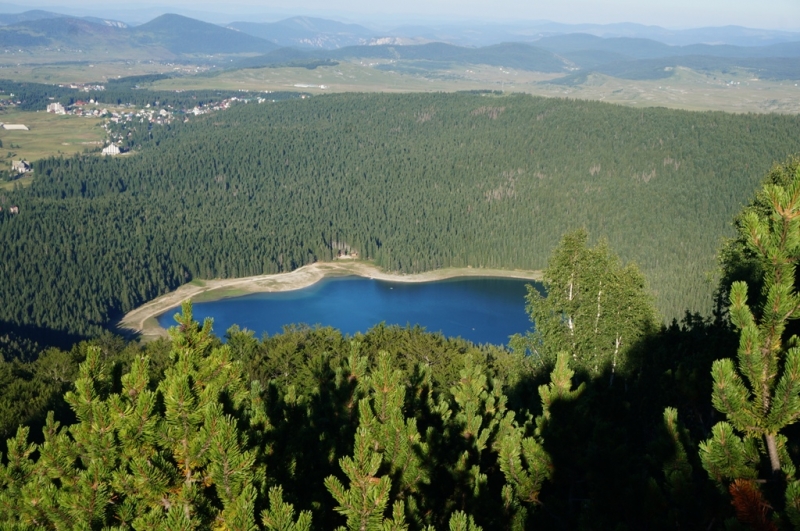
{"x": 575, "y": 55}
{"x": 168, "y": 34}
{"x": 27, "y": 16}
{"x": 312, "y": 42}
{"x": 482, "y": 35}
{"x": 183, "y": 35}
{"x": 324, "y": 33}
{"x": 321, "y": 33}
{"x": 308, "y": 32}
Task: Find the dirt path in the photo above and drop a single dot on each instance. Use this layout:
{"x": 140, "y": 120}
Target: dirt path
{"x": 142, "y": 319}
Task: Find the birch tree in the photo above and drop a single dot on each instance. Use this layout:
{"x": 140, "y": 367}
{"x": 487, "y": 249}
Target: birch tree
{"x": 593, "y": 307}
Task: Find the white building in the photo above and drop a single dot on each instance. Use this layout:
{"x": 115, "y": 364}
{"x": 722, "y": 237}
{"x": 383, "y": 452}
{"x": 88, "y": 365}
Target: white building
{"x": 56, "y": 108}
{"x": 15, "y": 127}
{"x": 20, "y": 166}
{"x": 111, "y": 149}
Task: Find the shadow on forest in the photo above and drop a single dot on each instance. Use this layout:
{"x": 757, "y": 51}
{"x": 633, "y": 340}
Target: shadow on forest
{"x": 17, "y": 341}
{"x": 617, "y": 462}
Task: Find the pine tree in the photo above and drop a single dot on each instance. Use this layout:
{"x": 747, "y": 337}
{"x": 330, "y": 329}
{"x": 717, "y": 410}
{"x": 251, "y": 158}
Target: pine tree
{"x": 364, "y": 502}
{"x": 523, "y": 460}
{"x": 760, "y": 392}
{"x": 280, "y": 515}
{"x": 176, "y": 457}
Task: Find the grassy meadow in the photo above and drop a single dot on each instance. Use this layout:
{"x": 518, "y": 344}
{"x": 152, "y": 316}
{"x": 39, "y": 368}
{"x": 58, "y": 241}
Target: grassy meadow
{"x": 48, "y": 135}
{"x": 730, "y": 91}
{"x": 687, "y": 89}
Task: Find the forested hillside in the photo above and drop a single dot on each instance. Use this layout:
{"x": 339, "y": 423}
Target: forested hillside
{"x": 597, "y": 419}
{"x": 413, "y": 182}
{"x": 396, "y": 427}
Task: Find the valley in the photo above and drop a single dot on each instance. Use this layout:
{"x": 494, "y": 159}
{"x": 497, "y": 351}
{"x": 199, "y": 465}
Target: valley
{"x": 323, "y": 191}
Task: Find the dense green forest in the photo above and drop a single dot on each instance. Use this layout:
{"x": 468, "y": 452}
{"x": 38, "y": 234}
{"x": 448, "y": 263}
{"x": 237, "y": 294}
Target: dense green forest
{"x": 599, "y": 418}
{"x": 410, "y": 421}
{"x": 413, "y": 182}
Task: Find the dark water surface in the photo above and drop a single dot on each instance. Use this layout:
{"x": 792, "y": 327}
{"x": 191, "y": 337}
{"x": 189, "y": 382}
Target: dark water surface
{"x": 483, "y": 310}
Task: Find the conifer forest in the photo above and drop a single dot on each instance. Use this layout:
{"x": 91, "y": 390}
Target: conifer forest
{"x": 413, "y": 182}
{"x": 658, "y": 386}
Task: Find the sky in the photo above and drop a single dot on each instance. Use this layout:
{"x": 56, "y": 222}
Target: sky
{"x": 676, "y": 14}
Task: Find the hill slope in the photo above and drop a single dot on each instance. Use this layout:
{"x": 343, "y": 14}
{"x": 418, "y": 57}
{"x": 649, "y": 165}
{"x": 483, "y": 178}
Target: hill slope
{"x": 414, "y": 182}
{"x": 180, "y": 34}
{"x": 307, "y": 32}
{"x": 509, "y": 55}
{"x": 171, "y": 34}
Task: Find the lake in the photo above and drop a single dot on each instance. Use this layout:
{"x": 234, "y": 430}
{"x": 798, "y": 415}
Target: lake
{"x": 482, "y": 310}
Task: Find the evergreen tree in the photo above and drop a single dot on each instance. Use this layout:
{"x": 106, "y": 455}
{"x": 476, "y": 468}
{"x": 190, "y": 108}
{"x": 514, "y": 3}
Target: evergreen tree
{"x": 523, "y": 459}
{"x": 760, "y": 392}
{"x": 175, "y": 457}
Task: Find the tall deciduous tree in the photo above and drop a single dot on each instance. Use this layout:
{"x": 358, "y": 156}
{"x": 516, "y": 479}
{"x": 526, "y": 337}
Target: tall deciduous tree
{"x": 594, "y": 307}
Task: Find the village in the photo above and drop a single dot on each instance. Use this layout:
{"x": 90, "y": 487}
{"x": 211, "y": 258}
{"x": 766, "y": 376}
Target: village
{"x": 117, "y": 122}
{"x": 153, "y": 114}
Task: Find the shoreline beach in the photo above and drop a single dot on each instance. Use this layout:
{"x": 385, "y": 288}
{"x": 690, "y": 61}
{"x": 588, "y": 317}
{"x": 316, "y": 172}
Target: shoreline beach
{"x": 142, "y": 319}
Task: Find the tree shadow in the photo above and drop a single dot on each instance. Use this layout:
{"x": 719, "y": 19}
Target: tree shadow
{"x": 616, "y": 463}
{"x": 24, "y": 342}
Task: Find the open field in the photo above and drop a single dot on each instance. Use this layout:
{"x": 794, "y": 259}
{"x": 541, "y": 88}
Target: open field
{"x": 23, "y": 181}
{"x": 363, "y": 76}
{"x": 89, "y": 71}
{"x": 49, "y": 135}
{"x": 731, "y": 91}
{"x": 344, "y": 77}
{"x": 686, "y": 89}
{"x": 142, "y": 320}
{"x": 96, "y": 55}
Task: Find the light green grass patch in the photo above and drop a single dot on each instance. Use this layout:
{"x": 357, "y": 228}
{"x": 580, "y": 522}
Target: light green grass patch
{"x": 219, "y": 294}
{"x": 685, "y": 89}
{"x": 23, "y": 182}
{"x": 48, "y": 135}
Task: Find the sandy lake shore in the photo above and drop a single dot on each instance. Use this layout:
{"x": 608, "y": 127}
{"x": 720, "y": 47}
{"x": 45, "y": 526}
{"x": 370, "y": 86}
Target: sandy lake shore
{"x": 142, "y": 320}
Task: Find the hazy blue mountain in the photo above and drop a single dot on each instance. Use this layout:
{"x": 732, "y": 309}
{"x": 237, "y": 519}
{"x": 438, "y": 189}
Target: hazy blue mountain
{"x": 637, "y": 48}
{"x": 531, "y": 31}
{"x": 22, "y": 38}
{"x": 580, "y": 54}
{"x": 735, "y": 35}
{"x": 775, "y": 68}
{"x": 106, "y": 22}
{"x": 593, "y": 58}
{"x": 38, "y": 14}
{"x": 168, "y": 34}
{"x": 286, "y": 57}
{"x": 307, "y": 32}
{"x": 180, "y": 34}
{"x": 437, "y": 55}
{"x": 626, "y": 46}
{"x": 62, "y": 31}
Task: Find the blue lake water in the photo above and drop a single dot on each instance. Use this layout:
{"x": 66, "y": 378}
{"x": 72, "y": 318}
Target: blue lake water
{"x": 482, "y": 310}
